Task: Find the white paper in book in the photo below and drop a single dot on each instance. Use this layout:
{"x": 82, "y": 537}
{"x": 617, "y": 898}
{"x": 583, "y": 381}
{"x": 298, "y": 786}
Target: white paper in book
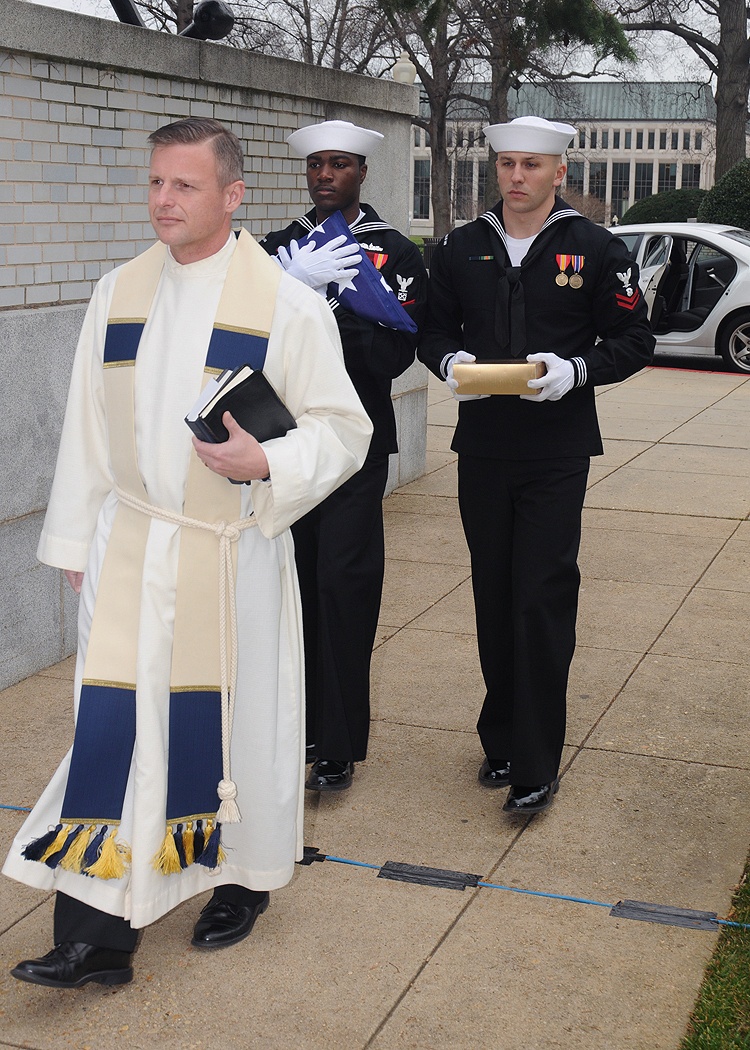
{"x": 220, "y": 384}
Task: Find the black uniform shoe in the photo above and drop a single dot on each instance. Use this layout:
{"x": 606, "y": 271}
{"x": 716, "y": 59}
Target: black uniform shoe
{"x": 222, "y": 923}
{"x": 494, "y": 773}
{"x": 73, "y": 964}
{"x": 327, "y": 775}
{"x": 525, "y": 800}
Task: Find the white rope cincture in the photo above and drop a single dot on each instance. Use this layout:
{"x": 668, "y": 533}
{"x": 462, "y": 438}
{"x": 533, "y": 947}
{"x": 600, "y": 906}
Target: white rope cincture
{"x": 227, "y": 534}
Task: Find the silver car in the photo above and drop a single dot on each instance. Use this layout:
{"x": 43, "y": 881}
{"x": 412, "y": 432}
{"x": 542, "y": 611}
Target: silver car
{"x": 695, "y": 278}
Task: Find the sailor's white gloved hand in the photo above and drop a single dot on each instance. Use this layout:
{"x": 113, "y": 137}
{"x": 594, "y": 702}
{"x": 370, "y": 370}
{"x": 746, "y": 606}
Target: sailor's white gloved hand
{"x": 318, "y": 267}
{"x": 558, "y": 381}
{"x": 460, "y": 358}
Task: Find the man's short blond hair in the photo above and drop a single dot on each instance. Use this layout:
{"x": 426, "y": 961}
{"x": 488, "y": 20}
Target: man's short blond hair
{"x": 230, "y": 160}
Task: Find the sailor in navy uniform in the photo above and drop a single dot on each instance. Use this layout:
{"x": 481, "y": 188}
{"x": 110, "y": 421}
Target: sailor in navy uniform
{"x": 339, "y": 547}
{"x": 531, "y": 279}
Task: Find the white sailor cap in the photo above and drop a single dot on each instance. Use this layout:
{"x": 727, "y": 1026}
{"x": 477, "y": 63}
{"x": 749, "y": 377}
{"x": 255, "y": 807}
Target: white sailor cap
{"x": 530, "y": 135}
{"x": 334, "y": 135}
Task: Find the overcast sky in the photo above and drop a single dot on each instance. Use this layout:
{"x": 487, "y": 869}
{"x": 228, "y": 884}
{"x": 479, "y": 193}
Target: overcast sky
{"x": 103, "y": 8}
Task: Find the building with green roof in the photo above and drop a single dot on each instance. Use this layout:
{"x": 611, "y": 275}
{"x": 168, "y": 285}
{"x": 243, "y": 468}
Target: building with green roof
{"x": 634, "y": 139}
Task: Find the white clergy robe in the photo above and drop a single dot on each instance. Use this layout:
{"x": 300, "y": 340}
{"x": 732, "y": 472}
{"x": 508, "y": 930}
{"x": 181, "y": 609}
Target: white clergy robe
{"x": 304, "y": 363}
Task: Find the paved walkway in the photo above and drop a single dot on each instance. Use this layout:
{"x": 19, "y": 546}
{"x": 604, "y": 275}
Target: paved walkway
{"x": 653, "y": 804}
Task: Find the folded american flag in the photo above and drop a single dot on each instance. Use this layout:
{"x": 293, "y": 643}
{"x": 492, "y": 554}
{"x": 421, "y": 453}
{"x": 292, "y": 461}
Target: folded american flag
{"x": 368, "y": 294}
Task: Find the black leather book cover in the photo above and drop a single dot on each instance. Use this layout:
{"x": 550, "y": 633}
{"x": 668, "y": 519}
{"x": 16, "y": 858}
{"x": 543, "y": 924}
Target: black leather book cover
{"x": 254, "y": 404}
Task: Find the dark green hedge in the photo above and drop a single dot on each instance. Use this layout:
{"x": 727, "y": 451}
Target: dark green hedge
{"x": 670, "y": 206}
{"x": 729, "y": 201}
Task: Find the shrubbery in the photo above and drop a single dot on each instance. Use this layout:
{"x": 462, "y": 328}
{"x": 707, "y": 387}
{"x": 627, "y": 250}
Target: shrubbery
{"x": 729, "y": 201}
{"x": 670, "y": 206}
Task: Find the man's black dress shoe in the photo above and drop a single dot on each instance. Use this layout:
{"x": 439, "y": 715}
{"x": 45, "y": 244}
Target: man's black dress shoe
{"x": 327, "y": 775}
{"x": 494, "y": 773}
{"x": 525, "y": 800}
{"x": 223, "y": 923}
{"x": 73, "y": 964}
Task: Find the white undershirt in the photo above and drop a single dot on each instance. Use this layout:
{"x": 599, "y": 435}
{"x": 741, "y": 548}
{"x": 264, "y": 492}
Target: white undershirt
{"x": 518, "y": 247}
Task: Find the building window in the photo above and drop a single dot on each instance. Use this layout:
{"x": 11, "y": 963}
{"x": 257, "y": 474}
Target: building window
{"x": 605, "y": 140}
{"x": 620, "y": 187}
{"x": 481, "y": 183}
{"x": 639, "y": 140}
{"x": 667, "y": 177}
{"x": 628, "y": 140}
{"x": 675, "y": 139}
{"x": 417, "y": 137}
{"x": 471, "y": 137}
{"x": 593, "y": 138}
{"x": 582, "y": 138}
{"x": 615, "y": 140}
{"x": 421, "y": 189}
{"x": 686, "y": 140}
{"x": 662, "y": 140}
{"x": 464, "y": 189}
{"x": 691, "y": 176}
{"x": 598, "y": 180}
{"x": 644, "y": 180}
{"x": 651, "y": 139}
{"x": 574, "y": 178}
{"x": 450, "y": 138}
{"x": 699, "y": 140}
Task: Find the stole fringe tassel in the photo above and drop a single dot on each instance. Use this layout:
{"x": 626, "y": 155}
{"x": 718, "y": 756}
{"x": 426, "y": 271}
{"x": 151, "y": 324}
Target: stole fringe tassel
{"x": 94, "y": 850}
{"x": 83, "y": 850}
{"x": 184, "y": 845}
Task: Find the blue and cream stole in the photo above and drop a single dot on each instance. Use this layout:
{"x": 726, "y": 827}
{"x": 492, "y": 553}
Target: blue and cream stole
{"x": 86, "y": 839}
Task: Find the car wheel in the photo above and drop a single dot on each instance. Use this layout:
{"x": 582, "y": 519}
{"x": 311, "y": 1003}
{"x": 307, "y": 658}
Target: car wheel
{"x": 734, "y": 343}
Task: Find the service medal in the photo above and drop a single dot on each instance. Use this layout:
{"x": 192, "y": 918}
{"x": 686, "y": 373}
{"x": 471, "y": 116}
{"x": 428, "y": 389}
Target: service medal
{"x": 576, "y": 281}
{"x": 563, "y": 261}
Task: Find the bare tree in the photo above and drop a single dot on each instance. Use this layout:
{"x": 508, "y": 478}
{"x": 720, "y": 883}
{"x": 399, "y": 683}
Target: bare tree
{"x": 716, "y": 31}
{"x": 173, "y": 15}
{"x": 435, "y": 41}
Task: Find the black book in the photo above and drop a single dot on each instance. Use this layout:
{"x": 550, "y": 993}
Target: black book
{"x": 250, "y": 398}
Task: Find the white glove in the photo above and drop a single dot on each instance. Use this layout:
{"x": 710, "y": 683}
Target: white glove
{"x": 460, "y": 358}
{"x": 318, "y": 267}
{"x": 558, "y": 381}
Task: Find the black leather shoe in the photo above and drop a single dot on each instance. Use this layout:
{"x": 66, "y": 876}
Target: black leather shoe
{"x": 523, "y": 800}
{"x": 222, "y": 923}
{"x": 494, "y": 773}
{"x": 327, "y": 775}
{"x": 73, "y": 964}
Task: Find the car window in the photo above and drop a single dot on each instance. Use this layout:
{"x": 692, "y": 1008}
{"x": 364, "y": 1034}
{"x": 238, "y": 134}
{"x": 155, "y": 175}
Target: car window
{"x": 631, "y": 242}
{"x": 711, "y": 271}
{"x": 657, "y": 251}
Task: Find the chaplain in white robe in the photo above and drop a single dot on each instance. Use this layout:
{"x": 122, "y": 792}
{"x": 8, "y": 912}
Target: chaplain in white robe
{"x": 146, "y": 454}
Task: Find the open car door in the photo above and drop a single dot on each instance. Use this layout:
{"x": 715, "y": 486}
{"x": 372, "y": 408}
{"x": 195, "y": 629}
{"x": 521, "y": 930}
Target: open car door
{"x": 654, "y": 270}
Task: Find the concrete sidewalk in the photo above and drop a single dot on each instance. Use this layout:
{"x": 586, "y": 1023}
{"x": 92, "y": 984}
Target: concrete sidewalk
{"x": 653, "y": 804}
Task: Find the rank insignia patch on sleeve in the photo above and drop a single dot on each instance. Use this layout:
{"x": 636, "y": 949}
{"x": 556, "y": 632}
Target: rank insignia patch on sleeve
{"x": 628, "y": 299}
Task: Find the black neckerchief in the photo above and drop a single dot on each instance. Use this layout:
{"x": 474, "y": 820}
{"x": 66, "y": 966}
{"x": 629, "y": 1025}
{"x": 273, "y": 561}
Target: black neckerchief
{"x": 510, "y": 312}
